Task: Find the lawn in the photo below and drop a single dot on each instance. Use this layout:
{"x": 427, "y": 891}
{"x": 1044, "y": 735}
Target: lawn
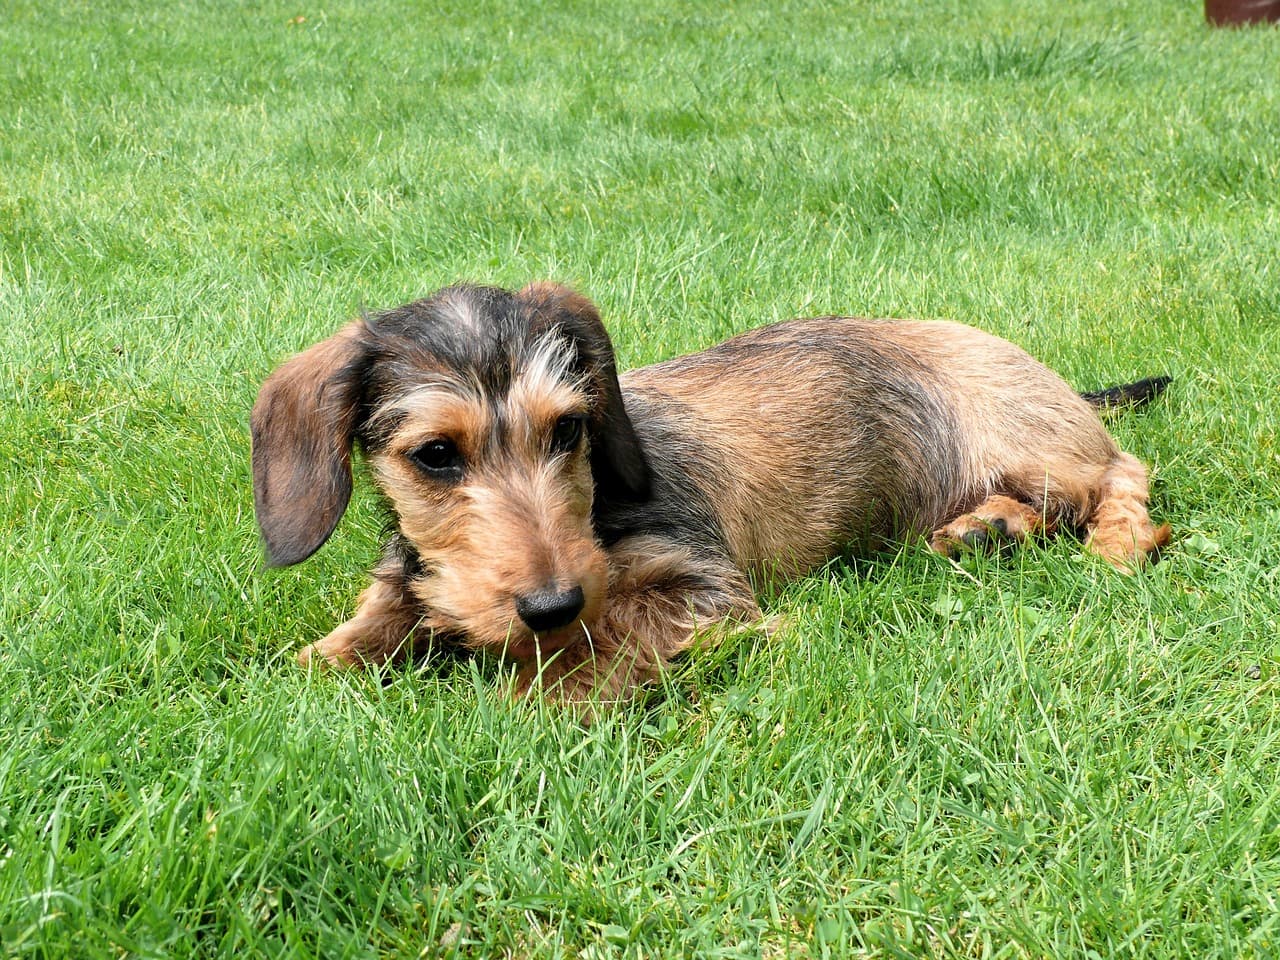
{"x": 1024, "y": 756}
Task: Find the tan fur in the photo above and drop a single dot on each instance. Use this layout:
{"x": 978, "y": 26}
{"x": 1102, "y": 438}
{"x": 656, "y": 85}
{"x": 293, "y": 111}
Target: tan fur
{"x": 660, "y": 598}
{"x": 996, "y": 519}
{"x": 511, "y": 528}
{"x": 770, "y": 454}
{"x": 304, "y": 416}
{"x": 380, "y": 631}
{"x": 1120, "y": 530}
{"x": 1025, "y": 434}
{"x": 778, "y": 509}
{"x": 539, "y": 396}
{"x": 1025, "y": 429}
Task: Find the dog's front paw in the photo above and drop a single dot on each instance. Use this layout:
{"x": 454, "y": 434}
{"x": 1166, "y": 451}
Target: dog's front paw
{"x": 362, "y": 641}
{"x": 324, "y": 654}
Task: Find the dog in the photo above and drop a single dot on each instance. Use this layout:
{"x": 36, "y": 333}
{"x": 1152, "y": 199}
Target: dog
{"x": 590, "y": 525}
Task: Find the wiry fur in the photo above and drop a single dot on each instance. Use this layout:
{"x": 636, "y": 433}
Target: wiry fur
{"x": 761, "y": 457}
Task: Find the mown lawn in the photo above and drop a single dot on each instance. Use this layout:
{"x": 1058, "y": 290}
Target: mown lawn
{"x": 1014, "y": 757}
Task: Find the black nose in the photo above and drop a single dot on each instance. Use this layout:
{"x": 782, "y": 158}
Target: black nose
{"x": 550, "y": 609}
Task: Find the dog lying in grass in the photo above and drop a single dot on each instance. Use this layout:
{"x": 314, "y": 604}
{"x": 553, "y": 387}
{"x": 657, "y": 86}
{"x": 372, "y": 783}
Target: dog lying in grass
{"x": 588, "y": 525}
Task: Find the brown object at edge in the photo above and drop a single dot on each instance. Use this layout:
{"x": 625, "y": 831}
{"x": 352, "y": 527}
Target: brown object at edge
{"x": 1235, "y": 13}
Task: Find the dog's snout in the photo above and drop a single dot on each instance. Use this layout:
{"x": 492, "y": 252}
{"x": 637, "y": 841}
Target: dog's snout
{"x": 551, "y": 608}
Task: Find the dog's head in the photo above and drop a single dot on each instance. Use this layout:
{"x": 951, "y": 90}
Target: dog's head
{"x": 492, "y": 421}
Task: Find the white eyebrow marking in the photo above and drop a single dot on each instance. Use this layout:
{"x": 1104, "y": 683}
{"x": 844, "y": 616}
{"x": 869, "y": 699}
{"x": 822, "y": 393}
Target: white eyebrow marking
{"x": 548, "y": 366}
{"x": 546, "y": 387}
{"x": 426, "y": 399}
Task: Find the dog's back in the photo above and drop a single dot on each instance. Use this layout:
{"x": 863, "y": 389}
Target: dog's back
{"x": 813, "y": 435}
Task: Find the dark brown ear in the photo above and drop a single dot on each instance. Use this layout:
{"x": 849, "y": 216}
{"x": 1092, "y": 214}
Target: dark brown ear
{"x": 302, "y": 430}
{"x": 617, "y": 460}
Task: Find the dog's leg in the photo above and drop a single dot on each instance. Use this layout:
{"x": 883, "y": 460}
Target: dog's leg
{"x": 378, "y": 633}
{"x": 997, "y": 520}
{"x": 1120, "y": 529}
{"x": 661, "y": 598}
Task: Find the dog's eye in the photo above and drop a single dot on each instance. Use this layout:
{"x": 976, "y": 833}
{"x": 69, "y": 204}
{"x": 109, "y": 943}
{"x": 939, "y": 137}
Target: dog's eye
{"x": 566, "y": 433}
{"x": 439, "y": 458}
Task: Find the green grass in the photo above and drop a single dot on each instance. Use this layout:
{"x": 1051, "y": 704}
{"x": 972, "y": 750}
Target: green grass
{"x": 1024, "y": 757}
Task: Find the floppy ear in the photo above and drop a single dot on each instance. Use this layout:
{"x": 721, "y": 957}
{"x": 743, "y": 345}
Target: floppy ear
{"x": 302, "y": 429}
{"x": 618, "y": 463}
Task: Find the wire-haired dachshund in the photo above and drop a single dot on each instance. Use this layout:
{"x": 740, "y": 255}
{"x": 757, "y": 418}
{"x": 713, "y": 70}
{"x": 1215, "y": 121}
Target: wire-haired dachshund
{"x": 589, "y": 525}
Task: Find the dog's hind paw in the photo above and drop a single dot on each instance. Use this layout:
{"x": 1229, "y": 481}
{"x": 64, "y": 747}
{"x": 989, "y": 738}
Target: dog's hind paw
{"x": 997, "y": 522}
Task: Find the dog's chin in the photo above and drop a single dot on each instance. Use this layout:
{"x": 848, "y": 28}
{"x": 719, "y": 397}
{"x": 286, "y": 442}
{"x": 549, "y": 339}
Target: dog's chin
{"x": 501, "y": 631}
{"x": 525, "y": 645}
{"x": 509, "y": 637}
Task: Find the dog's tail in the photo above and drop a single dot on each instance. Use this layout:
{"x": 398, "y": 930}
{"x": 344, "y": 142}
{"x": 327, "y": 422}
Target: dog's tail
{"x": 1129, "y": 394}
